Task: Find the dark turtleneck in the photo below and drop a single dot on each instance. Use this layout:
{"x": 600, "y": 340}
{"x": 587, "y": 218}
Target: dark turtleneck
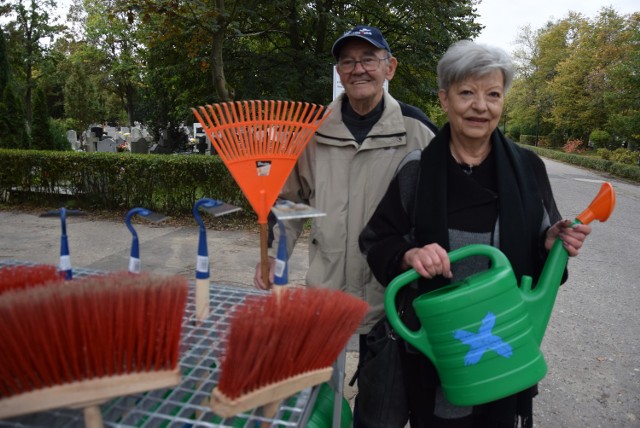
{"x": 360, "y": 125}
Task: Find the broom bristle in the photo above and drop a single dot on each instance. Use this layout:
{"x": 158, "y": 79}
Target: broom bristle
{"x": 272, "y": 338}
{"x": 64, "y": 332}
{"x": 20, "y": 277}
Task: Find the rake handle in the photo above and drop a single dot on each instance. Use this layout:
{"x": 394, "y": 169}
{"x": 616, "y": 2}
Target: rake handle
{"x": 264, "y": 254}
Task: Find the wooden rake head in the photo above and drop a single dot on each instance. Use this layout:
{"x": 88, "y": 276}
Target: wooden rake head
{"x": 260, "y": 141}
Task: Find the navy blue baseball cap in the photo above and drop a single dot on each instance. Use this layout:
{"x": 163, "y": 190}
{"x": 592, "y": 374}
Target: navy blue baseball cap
{"x": 370, "y": 34}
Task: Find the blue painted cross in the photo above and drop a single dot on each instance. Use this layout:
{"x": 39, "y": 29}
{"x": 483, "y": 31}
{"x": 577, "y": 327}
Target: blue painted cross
{"x": 483, "y": 341}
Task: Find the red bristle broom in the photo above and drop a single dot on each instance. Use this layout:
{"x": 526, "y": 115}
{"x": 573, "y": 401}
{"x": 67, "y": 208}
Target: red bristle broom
{"x": 279, "y": 344}
{"x": 79, "y": 345}
{"x": 260, "y": 141}
{"x": 20, "y": 277}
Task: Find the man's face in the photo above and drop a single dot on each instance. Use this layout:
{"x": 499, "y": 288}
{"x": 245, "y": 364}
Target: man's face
{"x": 360, "y": 84}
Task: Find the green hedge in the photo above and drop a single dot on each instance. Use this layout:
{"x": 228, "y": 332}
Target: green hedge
{"x": 165, "y": 183}
{"x": 630, "y": 172}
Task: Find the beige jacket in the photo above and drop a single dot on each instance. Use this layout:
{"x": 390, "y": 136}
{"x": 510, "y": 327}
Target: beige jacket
{"x": 347, "y": 181}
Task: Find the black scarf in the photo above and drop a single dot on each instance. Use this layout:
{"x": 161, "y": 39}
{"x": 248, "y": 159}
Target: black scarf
{"x": 520, "y": 204}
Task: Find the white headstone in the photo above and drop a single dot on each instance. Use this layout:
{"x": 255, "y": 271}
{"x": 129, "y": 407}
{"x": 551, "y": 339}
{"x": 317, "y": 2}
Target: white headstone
{"x": 136, "y": 134}
{"x": 72, "y": 138}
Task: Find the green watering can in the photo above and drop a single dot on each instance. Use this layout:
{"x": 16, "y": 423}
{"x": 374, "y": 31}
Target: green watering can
{"x": 483, "y": 333}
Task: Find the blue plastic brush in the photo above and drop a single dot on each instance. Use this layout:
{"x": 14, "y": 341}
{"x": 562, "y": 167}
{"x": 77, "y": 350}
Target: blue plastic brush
{"x": 65, "y": 259}
{"x": 134, "y": 258}
{"x": 215, "y": 208}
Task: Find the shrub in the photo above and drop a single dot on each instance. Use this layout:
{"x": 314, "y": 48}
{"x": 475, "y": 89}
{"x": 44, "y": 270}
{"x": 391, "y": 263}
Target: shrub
{"x": 604, "y": 153}
{"x": 528, "y": 139}
{"x": 599, "y": 138}
{"x": 167, "y": 184}
{"x": 573, "y": 146}
{"x": 624, "y": 156}
{"x": 544, "y": 142}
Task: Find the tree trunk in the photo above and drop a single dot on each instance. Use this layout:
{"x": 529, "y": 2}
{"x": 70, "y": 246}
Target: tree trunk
{"x": 217, "y": 62}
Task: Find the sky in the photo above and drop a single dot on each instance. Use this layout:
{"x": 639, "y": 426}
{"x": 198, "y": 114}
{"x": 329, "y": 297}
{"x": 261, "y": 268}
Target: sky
{"x": 503, "y": 20}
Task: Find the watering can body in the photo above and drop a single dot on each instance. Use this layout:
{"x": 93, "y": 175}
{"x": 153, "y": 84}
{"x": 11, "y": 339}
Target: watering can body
{"x": 477, "y": 332}
{"x": 483, "y": 333}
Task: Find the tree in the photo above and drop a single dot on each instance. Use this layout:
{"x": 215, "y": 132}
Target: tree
{"x": 622, "y": 97}
{"x": 580, "y": 76}
{"x": 41, "y": 136}
{"x": 4, "y": 63}
{"x": 578, "y": 88}
{"x": 32, "y": 23}
{"x": 112, "y": 41}
{"x": 13, "y": 125}
{"x": 80, "y": 97}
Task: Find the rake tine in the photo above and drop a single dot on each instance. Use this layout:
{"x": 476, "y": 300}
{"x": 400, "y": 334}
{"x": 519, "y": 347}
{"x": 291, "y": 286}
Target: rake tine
{"x": 211, "y": 129}
{"x": 264, "y": 115}
{"x": 269, "y": 112}
{"x": 301, "y": 118}
{"x": 238, "y": 117}
{"x": 227, "y": 136}
{"x": 289, "y": 127}
{"x": 260, "y": 125}
{"x": 254, "y": 127}
{"x": 301, "y": 137}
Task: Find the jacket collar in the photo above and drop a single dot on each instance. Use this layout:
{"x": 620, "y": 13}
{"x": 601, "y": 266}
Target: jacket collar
{"x": 391, "y": 125}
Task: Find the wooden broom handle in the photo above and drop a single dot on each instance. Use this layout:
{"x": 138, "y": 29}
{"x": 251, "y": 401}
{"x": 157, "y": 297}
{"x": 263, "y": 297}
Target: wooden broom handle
{"x": 264, "y": 254}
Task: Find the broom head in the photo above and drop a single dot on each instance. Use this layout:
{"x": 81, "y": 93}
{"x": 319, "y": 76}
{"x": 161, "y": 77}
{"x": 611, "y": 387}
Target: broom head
{"x": 279, "y": 344}
{"x": 22, "y": 277}
{"x": 260, "y": 141}
{"x": 81, "y": 343}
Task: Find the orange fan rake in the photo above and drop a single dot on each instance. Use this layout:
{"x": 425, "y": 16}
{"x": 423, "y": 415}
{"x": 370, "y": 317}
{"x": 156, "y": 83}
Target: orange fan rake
{"x": 260, "y": 141}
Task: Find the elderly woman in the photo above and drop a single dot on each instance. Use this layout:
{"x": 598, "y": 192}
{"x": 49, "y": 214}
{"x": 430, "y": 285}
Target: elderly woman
{"x": 471, "y": 185}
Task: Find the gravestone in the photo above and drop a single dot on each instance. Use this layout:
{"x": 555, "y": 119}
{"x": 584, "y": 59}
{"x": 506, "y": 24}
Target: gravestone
{"x": 107, "y": 145}
{"x": 97, "y": 131}
{"x": 110, "y": 131}
{"x": 91, "y": 142}
{"x": 136, "y": 134}
{"x": 140, "y": 146}
{"x": 72, "y": 138}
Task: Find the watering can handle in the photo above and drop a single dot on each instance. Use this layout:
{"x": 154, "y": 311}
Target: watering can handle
{"x": 418, "y": 338}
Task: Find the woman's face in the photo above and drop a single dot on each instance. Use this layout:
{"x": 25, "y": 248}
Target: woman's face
{"x": 474, "y": 106}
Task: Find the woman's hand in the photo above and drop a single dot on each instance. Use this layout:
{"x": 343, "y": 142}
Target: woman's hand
{"x": 572, "y": 237}
{"x": 257, "y": 278}
{"x": 429, "y": 261}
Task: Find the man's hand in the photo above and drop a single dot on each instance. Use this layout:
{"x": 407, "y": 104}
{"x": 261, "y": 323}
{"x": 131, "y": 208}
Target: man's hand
{"x": 257, "y": 278}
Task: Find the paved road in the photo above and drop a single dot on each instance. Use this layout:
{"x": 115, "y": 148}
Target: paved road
{"x": 592, "y": 343}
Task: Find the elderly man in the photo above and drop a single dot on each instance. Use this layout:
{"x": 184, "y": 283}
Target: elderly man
{"x": 347, "y": 167}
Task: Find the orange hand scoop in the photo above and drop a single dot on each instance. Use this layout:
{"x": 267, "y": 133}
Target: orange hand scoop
{"x": 260, "y": 141}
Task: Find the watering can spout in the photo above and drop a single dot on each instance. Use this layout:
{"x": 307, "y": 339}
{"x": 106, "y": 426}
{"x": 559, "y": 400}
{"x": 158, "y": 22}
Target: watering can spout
{"x": 541, "y": 299}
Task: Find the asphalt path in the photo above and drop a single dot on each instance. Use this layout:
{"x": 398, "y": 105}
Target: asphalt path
{"x": 592, "y": 342}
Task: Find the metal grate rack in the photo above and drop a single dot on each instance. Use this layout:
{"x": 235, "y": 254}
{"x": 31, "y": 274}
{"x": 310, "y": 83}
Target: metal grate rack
{"x": 187, "y": 404}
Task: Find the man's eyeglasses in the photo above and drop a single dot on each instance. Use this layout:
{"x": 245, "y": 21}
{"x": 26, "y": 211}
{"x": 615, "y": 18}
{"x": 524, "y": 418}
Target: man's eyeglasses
{"x": 369, "y": 63}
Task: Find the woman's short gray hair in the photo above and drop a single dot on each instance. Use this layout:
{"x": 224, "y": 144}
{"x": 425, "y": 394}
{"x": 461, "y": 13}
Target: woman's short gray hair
{"x": 465, "y": 58}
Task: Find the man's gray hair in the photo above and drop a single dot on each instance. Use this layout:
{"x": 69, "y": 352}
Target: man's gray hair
{"x": 465, "y": 58}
